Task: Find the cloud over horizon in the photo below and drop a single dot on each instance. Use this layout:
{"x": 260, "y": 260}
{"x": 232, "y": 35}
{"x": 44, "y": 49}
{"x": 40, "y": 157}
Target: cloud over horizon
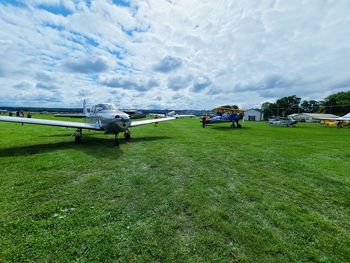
{"x": 86, "y": 65}
{"x": 167, "y": 64}
{"x": 172, "y": 54}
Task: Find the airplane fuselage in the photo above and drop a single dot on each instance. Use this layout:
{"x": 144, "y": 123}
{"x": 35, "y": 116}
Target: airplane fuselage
{"x": 112, "y": 121}
{"x": 109, "y": 118}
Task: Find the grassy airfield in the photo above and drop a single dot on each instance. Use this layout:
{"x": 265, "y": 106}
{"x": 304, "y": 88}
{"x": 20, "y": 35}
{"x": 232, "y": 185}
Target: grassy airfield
{"x": 176, "y": 193}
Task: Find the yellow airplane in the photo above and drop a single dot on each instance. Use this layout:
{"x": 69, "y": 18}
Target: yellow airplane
{"x": 339, "y": 122}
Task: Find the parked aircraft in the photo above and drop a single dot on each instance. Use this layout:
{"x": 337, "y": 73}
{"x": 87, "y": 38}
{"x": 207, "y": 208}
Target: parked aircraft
{"x": 175, "y": 115}
{"x": 339, "y": 122}
{"x": 225, "y": 114}
{"x": 283, "y": 122}
{"x": 158, "y": 115}
{"x": 172, "y": 114}
{"x": 104, "y": 117}
{"x": 135, "y": 114}
{"x": 233, "y": 118}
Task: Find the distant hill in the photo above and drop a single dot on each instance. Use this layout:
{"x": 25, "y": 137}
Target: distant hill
{"x": 41, "y": 109}
{"x": 76, "y": 110}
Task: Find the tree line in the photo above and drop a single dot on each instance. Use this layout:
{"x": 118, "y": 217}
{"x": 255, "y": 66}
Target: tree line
{"x": 338, "y": 104}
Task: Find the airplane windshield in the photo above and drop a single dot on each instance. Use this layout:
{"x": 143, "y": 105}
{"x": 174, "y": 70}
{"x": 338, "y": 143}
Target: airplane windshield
{"x": 103, "y": 107}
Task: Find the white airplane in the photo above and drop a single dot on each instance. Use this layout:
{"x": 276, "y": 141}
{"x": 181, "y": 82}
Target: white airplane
{"x": 158, "y": 115}
{"x": 175, "y": 115}
{"x": 339, "y": 121}
{"x": 172, "y": 114}
{"x": 282, "y": 121}
{"x": 104, "y": 117}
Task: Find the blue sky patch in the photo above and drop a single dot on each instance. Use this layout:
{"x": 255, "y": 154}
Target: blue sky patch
{"x": 125, "y": 3}
{"x": 17, "y": 3}
{"x": 56, "y": 9}
{"x": 94, "y": 77}
{"x": 83, "y": 40}
{"x": 131, "y": 32}
{"x": 53, "y": 26}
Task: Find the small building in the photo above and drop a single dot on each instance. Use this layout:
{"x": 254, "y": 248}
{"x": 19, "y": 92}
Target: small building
{"x": 253, "y": 115}
{"x": 311, "y": 117}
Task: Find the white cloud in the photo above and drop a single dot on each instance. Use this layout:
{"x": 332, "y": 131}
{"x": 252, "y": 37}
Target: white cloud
{"x": 87, "y": 65}
{"x": 177, "y": 54}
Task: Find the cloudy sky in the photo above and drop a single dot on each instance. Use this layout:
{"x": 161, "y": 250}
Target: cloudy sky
{"x": 172, "y": 54}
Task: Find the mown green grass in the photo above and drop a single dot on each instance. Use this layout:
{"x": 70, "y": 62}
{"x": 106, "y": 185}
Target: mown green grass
{"x": 176, "y": 193}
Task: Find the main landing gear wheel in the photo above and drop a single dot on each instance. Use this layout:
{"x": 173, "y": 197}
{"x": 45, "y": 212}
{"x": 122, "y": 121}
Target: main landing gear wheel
{"x": 77, "y": 139}
{"x": 127, "y": 135}
{"x": 78, "y": 135}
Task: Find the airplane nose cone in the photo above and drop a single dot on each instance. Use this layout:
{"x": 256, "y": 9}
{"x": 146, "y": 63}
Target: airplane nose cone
{"x": 125, "y": 118}
{"x": 123, "y": 121}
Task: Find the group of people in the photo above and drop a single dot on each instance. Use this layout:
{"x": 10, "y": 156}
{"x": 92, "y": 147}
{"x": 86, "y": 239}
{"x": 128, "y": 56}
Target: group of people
{"x": 21, "y": 114}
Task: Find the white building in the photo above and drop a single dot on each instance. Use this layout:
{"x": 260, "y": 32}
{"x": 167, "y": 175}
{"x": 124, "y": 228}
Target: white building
{"x": 253, "y": 115}
{"x": 311, "y": 117}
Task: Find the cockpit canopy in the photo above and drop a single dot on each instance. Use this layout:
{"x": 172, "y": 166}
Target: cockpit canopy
{"x": 103, "y": 107}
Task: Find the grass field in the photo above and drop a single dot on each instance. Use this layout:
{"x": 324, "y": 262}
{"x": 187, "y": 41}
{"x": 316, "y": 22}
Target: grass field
{"x": 176, "y": 193}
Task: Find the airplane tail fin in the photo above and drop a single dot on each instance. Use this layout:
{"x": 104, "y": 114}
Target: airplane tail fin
{"x": 171, "y": 113}
{"x": 84, "y": 108}
{"x": 347, "y": 116}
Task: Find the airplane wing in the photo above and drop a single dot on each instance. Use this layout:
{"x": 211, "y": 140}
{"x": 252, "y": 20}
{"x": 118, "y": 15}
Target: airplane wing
{"x": 144, "y": 122}
{"x": 342, "y": 119}
{"x": 67, "y": 124}
{"x": 72, "y": 115}
{"x": 329, "y": 118}
{"x": 334, "y": 119}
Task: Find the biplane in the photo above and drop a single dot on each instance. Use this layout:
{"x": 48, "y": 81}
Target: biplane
{"x": 225, "y": 114}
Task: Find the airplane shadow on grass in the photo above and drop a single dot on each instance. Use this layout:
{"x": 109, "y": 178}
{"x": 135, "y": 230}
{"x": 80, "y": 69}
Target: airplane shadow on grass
{"x": 90, "y": 145}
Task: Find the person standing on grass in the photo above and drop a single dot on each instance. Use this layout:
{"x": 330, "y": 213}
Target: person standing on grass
{"x": 204, "y": 120}
{"x": 156, "y": 123}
